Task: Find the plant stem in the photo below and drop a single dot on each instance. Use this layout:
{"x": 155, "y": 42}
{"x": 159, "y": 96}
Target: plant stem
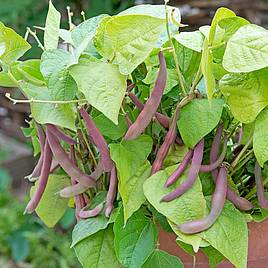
{"x": 174, "y": 54}
{"x": 196, "y": 80}
{"x": 239, "y": 156}
{"x": 15, "y": 101}
{"x": 36, "y": 38}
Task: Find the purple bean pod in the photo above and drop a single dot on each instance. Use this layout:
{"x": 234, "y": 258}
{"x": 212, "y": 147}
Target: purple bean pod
{"x": 79, "y": 188}
{"x": 130, "y": 87}
{"x": 60, "y": 135}
{"x": 71, "y": 169}
{"x": 168, "y": 141}
{"x": 37, "y": 170}
{"x": 85, "y": 214}
{"x": 162, "y": 119}
{"x": 98, "y": 140}
{"x": 192, "y": 175}
{"x": 152, "y": 103}
{"x": 217, "y": 204}
{"x": 260, "y": 188}
{"x": 180, "y": 169}
{"x": 42, "y": 183}
{"x": 111, "y": 195}
{"x": 78, "y": 198}
{"x": 240, "y": 202}
{"x": 212, "y": 166}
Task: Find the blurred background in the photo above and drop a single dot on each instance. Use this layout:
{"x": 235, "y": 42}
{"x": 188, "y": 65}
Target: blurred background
{"x": 24, "y": 240}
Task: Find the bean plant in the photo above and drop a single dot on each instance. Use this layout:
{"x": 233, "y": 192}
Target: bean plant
{"x": 142, "y": 126}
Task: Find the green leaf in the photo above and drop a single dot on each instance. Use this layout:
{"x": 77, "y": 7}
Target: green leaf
{"x": 134, "y": 153}
{"x": 132, "y": 47}
{"x": 248, "y": 91}
{"x": 205, "y": 30}
{"x": 181, "y": 209}
{"x": 135, "y": 241}
{"x": 214, "y": 256}
{"x": 224, "y": 233}
{"x": 193, "y": 40}
{"x": 172, "y": 78}
{"x": 131, "y": 190}
{"x": 156, "y": 11}
{"x": 194, "y": 240}
{"x": 260, "y": 137}
{"x": 231, "y": 25}
{"x": 198, "y": 118}
{"x": 52, "y": 27}
{"x": 175, "y": 155}
{"x": 62, "y": 115}
{"x": 30, "y": 70}
{"x": 102, "y": 84}
{"x": 6, "y": 81}
{"x": 51, "y": 206}
{"x": 109, "y": 129}
{"x": 62, "y": 86}
{"x": 66, "y": 36}
{"x": 85, "y": 228}
{"x": 162, "y": 259}
{"x": 12, "y": 46}
{"x": 97, "y": 251}
{"x": 246, "y": 50}
{"x": 188, "y": 59}
{"x": 132, "y": 171}
{"x": 207, "y": 69}
{"x": 247, "y": 132}
{"x": 83, "y": 34}
{"x": 54, "y": 60}
{"x": 220, "y": 14}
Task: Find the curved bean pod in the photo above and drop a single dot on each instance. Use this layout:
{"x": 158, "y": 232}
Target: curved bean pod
{"x": 180, "y": 169}
{"x": 60, "y": 135}
{"x": 111, "y": 195}
{"x": 168, "y": 141}
{"x": 42, "y": 140}
{"x": 192, "y": 175}
{"x": 162, "y": 119}
{"x": 218, "y": 162}
{"x": 71, "y": 169}
{"x": 79, "y": 188}
{"x": 217, "y": 204}
{"x": 84, "y": 214}
{"x": 152, "y": 103}
{"x": 260, "y": 188}
{"x": 98, "y": 140}
{"x": 42, "y": 183}
{"x": 240, "y": 202}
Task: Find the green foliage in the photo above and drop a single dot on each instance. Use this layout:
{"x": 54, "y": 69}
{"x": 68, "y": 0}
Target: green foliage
{"x": 215, "y": 75}
{"x": 135, "y": 241}
{"x": 52, "y": 207}
{"x": 161, "y": 259}
{"x": 198, "y": 118}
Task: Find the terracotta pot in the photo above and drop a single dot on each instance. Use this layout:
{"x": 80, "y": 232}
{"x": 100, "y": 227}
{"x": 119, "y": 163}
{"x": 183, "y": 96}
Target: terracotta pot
{"x": 257, "y": 251}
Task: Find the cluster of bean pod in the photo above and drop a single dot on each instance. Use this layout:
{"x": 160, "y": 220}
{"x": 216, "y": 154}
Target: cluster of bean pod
{"x": 51, "y": 150}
